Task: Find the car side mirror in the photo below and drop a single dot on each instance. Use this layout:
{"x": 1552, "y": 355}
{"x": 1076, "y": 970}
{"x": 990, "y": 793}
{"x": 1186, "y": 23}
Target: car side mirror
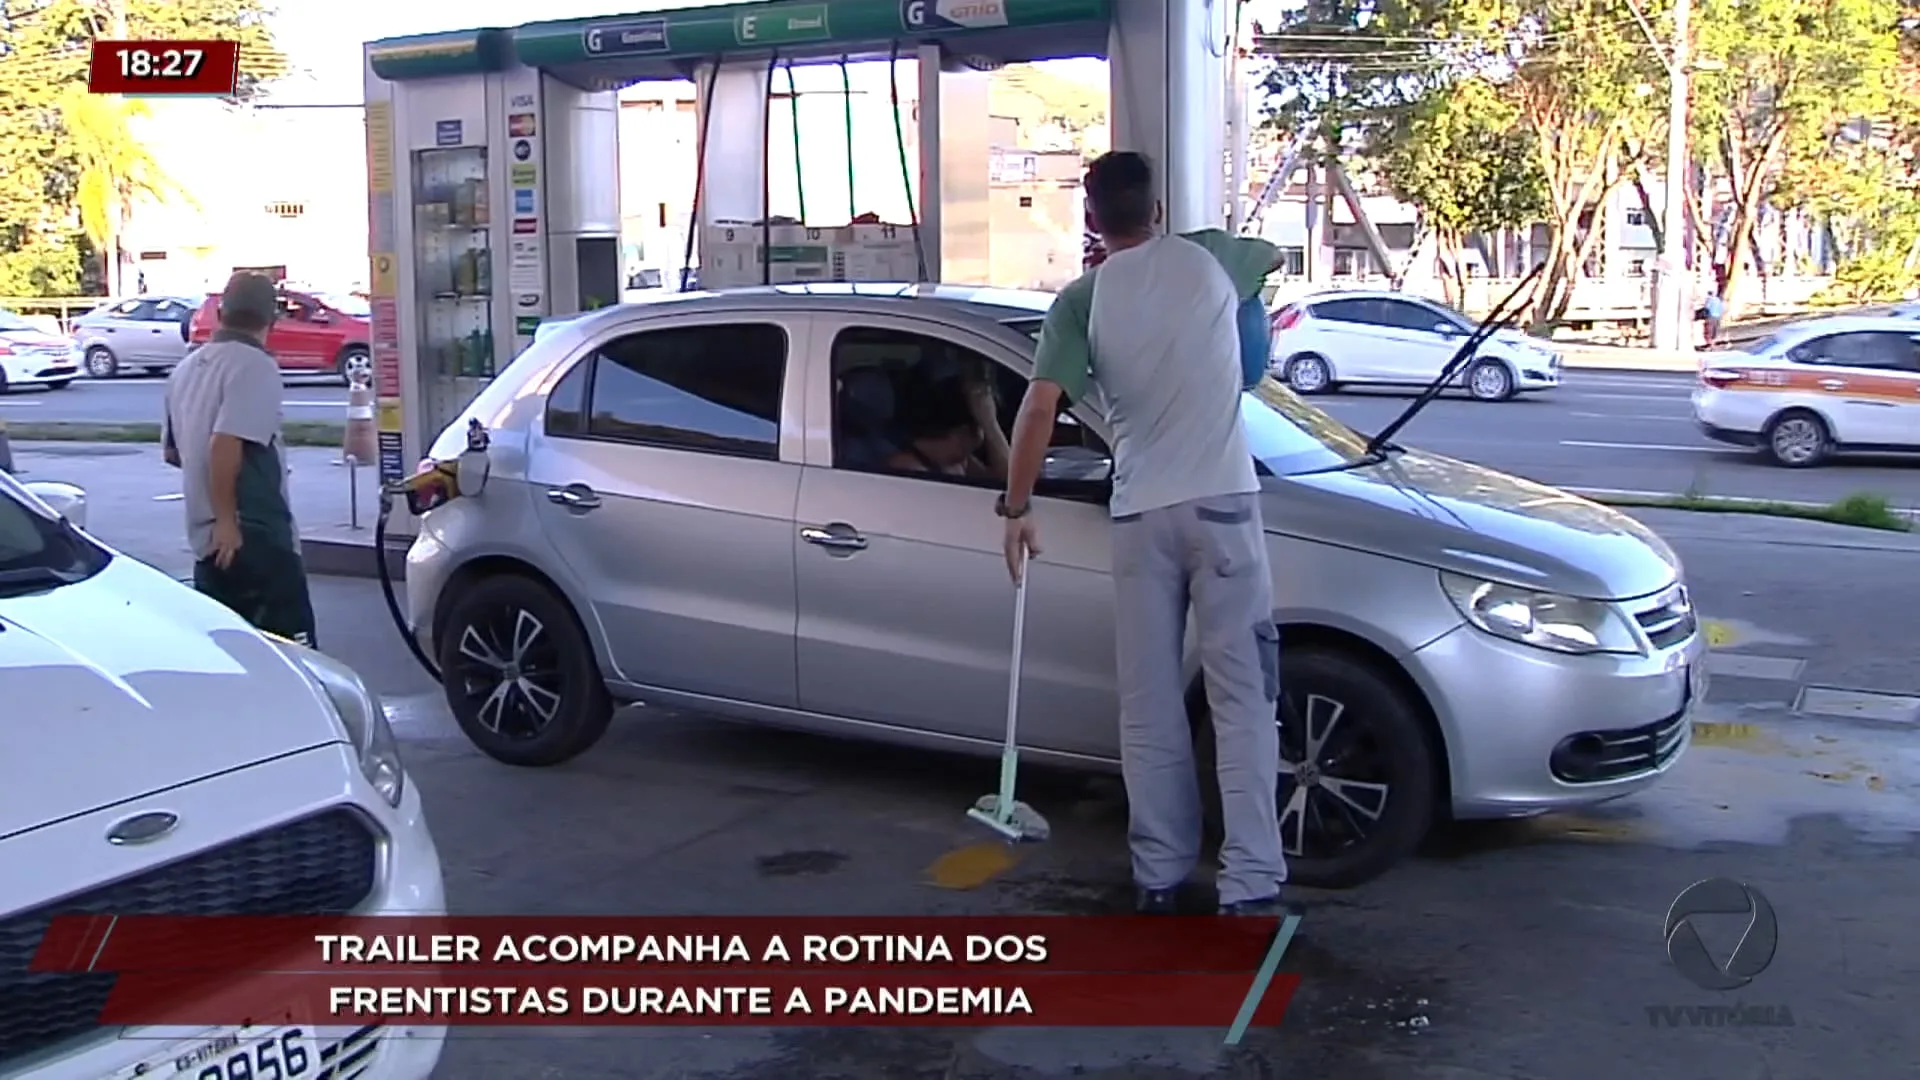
{"x": 1445, "y": 329}
{"x": 67, "y": 500}
{"x": 321, "y": 318}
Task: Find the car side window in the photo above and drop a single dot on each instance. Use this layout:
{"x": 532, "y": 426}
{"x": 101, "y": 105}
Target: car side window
{"x": 1401, "y": 315}
{"x": 1347, "y": 311}
{"x": 714, "y": 389}
{"x": 1857, "y": 349}
{"x": 127, "y": 309}
{"x": 901, "y": 403}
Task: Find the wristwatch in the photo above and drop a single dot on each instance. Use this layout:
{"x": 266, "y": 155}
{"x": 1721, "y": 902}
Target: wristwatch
{"x": 1001, "y": 508}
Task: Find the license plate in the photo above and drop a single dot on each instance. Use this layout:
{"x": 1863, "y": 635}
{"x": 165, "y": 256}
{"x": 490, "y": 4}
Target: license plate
{"x": 247, "y": 1054}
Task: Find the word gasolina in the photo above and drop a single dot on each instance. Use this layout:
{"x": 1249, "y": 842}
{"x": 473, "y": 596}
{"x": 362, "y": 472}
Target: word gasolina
{"x": 661, "y": 996}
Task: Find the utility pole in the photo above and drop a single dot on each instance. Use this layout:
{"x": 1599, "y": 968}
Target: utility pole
{"x": 1670, "y": 304}
{"x": 116, "y": 31}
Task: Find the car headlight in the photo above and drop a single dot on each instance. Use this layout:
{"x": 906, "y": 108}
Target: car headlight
{"x": 358, "y": 709}
{"x": 1545, "y": 620}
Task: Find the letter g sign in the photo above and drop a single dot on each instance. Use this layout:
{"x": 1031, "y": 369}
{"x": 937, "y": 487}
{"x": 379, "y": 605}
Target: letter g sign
{"x": 593, "y": 40}
{"x": 913, "y": 13}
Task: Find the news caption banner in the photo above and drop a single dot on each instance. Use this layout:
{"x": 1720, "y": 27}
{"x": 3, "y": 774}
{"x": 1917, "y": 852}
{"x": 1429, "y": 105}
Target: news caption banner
{"x": 919, "y": 971}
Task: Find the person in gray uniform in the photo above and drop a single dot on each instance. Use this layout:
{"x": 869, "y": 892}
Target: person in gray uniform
{"x": 222, "y": 429}
{"x": 1154, "y": 328}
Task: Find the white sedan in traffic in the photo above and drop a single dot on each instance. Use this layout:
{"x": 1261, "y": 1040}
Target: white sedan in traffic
{"x": 1359, "y": 338}
{"x": 160, "y": 756}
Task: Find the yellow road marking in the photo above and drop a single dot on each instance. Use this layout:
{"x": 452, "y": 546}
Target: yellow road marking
{"x": 972, "y": 866}
{"x": 1720, "y": 635}
{"x": 1710, "y": 733}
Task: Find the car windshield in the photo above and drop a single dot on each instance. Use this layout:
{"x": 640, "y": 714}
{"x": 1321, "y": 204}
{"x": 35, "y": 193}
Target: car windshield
{"x": 347, "y": 304}
{"x": 10, "y": 321}
{"x": 1286, "y": 435}
{"x": 37, "y": 551}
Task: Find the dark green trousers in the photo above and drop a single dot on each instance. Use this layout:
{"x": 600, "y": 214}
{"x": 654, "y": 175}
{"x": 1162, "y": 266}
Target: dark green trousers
{"x": 266, "y": 584}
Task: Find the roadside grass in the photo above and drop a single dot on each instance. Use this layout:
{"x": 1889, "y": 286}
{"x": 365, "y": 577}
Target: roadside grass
{"x": 298, "y": 432}
{"x": 1862, "y": 509}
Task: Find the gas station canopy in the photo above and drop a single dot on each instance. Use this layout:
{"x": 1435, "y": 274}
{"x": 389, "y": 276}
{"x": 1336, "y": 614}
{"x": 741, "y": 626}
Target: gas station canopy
{"x": 614, "y": 51}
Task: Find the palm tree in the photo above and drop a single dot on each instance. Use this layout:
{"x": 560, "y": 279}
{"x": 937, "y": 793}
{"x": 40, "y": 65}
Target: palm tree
{"x": 115, "y": 169}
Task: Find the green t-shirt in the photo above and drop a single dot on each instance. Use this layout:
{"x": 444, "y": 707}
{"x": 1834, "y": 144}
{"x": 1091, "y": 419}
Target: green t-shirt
{"x": 1064, "y": 356}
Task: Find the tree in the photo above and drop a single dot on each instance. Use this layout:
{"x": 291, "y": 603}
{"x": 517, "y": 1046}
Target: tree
{"x": 1459, "y": 156}
{"x": 1581, "y": 82}
{"x": 1783, "y": 79}
{"x": 68, "y": 164}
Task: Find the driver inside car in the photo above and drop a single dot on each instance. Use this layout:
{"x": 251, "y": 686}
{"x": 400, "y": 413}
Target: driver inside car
{"x": 950, "y": 424}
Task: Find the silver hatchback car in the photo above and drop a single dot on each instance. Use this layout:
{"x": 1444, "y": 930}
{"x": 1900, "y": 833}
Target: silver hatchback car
{"x": 685, "y": 508}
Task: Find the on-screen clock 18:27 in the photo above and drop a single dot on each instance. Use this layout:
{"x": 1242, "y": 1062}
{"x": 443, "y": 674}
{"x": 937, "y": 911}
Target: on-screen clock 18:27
{"x": 152, "y": 68}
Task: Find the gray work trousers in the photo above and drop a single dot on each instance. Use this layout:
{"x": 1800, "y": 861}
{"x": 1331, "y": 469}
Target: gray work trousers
{"x": 1210, "y": 554}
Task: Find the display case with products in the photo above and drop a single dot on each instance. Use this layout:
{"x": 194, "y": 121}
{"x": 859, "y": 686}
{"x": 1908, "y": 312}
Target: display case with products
{"x": 453, "y": 271}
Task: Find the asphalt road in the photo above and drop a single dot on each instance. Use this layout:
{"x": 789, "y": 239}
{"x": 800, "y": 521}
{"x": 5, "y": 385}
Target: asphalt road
{"x": 137, "y": 401}
{"x": 1618, "y": 432}
{"x": 1607, "y": 431}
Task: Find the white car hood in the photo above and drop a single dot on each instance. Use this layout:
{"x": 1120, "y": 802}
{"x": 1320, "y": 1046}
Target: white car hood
{"x": 129, "y": 683}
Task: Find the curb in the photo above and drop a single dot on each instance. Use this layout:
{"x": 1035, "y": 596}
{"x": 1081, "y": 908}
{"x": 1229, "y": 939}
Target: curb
{"x": 351, "y": 558}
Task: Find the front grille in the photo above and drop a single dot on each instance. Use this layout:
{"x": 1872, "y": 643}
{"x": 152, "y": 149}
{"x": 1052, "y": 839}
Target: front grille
{"x": 1593, "y": 757}
{"x": 1668, "y": 618}
{"x": 322, "y": 865}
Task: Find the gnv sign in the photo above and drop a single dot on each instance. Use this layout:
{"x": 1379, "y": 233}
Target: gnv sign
{"x": 923, "y": 15}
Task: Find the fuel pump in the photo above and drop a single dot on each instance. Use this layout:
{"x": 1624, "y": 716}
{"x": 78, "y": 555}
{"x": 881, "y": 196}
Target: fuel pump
{"x": 432, "y": 485}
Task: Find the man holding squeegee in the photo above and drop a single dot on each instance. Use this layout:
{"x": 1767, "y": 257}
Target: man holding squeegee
{"x": 1155, "y": 327}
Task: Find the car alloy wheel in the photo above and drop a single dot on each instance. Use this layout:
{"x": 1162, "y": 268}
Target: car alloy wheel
{"x": 356, "y": 367}
{"x": 1798, "y": 440}
{"x": 1490, "y": 381}
{"x": 1333, "y": 780}
{"x": 101, "y": 364}
{"x": 510, "y": 673}
{"x": 1308, "y": 375}
{"x": 519, "y": 671}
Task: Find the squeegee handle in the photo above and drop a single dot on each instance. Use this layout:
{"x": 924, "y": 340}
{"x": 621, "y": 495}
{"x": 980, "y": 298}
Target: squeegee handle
{"x": 1019, "y": 647}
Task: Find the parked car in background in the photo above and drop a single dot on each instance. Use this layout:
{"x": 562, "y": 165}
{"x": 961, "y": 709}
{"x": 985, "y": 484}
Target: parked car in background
{"x": 317, "y": 332}
{"x": 1815, "y": 389}
{"x": 685, "y": 516}
{"x": 29, "y": 356}
{"x": 145, "y": 333}
{"x": 134, "y": 786}
{"x": 1329, "y": 340}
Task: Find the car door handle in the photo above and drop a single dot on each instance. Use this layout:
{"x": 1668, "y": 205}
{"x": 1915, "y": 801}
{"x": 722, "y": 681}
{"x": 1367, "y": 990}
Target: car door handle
{"x": 1833, "y": 384}
{"x": 577, "y": 497}
{"x": 836, "y": 537}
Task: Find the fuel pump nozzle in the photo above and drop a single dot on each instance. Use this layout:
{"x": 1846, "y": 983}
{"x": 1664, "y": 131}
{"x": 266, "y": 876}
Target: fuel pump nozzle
{"x": 436, "y": 482}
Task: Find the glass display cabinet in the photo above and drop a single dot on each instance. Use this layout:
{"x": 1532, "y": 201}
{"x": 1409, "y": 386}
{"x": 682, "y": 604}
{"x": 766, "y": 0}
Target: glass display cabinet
{"x": 453, "y": 271}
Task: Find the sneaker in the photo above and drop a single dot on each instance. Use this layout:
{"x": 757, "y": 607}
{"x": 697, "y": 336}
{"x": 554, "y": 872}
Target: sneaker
{"x": 1155, "y": 902}
{"x": 1272, "y": 907}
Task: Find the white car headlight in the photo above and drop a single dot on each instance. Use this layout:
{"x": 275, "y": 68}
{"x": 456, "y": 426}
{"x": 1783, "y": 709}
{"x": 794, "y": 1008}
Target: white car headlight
{"x": 358, "y": 709}
{"x": 1545, "y": 620}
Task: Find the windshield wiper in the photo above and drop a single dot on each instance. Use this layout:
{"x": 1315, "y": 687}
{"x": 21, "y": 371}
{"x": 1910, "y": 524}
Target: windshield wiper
{"x": 1497, "y": 320}
{"x": 35, "y": 578}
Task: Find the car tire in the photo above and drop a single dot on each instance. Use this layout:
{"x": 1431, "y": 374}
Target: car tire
{"x": 1331, "y": 687}
{"x": 567, "y": 708}
{"x": 1308, "y": 373}
{"x": 101, "y": 363}
{"x": 1489, "y": 380}
{"x": 1798, "y": 439}
{"x": 355, "y": 360}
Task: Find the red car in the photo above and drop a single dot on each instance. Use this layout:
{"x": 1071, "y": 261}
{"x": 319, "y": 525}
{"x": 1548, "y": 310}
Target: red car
{"x": 315, "y": 333}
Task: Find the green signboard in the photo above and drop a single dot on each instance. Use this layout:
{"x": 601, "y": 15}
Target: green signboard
{"x": 427, "y": 56}
{"x": 791, "y": 23}
{"x": 693, "y": 33}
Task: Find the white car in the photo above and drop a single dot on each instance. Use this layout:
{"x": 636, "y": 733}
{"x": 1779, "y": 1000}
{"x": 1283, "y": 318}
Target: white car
{"x": 160, "y": 756}
{"x": 29, "y": 356}
{"x": 1816, "y": 388}
{"x": 1334, "y": 339}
